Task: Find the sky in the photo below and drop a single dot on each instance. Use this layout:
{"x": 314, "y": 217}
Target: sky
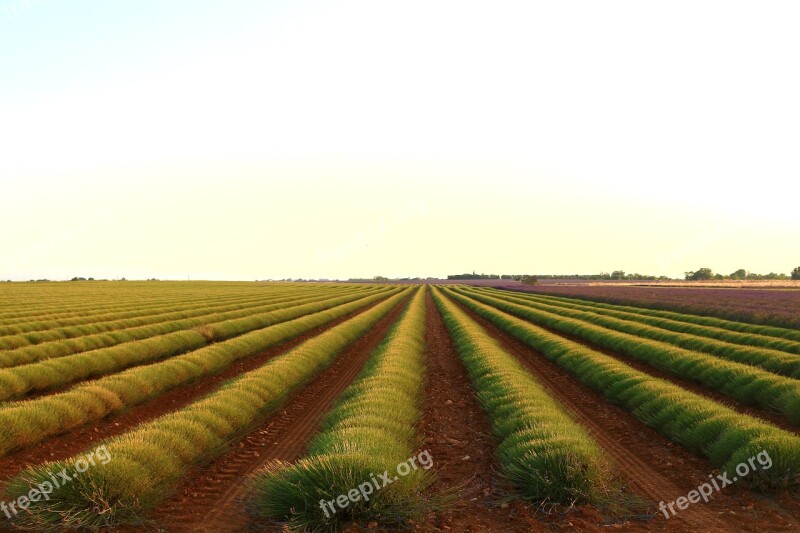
{"x": 272, "y": 139}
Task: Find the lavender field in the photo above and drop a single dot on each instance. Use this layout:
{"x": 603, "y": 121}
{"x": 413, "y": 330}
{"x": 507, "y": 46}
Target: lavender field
{"x": 762, "y": 306}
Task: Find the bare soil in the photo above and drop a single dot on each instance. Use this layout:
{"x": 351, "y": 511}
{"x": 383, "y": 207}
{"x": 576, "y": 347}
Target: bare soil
{"x": 456, "y": 432}
{"x": 652, "y": 466}
{"x": 774, "y": 418}
{"x": 212, "y": 498}
{"x": 81, "y": 439}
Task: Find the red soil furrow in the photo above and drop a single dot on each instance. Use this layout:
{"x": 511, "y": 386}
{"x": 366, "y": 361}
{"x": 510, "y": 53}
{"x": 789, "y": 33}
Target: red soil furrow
{"x": 76, "y": 441}
{"x": 756, "y": 412}
{"x": 61, "y": 388}
{"x": 212, "y": 497}
{"x": 688, "y": 384}
{"x": 456, "y": 432}
{"x": 648, "y": 462}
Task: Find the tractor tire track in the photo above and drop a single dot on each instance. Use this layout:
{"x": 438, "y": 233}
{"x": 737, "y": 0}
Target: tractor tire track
{"x": 649, "y": 463}
{"x": 78, "y": 440}
{"x": 212, "y": 498}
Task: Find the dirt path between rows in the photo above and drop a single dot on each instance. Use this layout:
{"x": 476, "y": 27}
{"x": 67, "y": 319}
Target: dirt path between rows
{"x": 456, "y": 432}
{"x": 648, "y": 462}
{"x": 79, "y": 440}
{"x": 755, "y": 411}
{"x": 212, "y": 498}
{"x": 49, "y": 391}
{"x": 770, "y": 417}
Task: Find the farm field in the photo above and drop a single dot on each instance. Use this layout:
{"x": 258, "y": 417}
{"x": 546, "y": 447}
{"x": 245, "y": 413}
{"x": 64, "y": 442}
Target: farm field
{"x": 234, "y": 406}
{"x": 427, "y": 267}
{"x": 744, "y": 301}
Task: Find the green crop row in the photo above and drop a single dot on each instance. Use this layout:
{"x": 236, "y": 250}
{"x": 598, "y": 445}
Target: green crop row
{"x": 747, "y": 384}
{"x": 541, "y": 449}
{"x": 57, "y": 349}
{"x": 11, "y": 342}
{"x": 41, "y": 324}
{"x": 21, "y": 380}
{"x": 27, "y": 422}
{"x": 58, "y": 307}
{"x": 371, "y": 430}
{"x": 724, "y": 436}
{"x": 36, "y": 321}
{"x": 117, "y": 301}
{"x": 147, "y": 462}
{"x": 721, "y": 323}
{"x": 775, "y": 361}
{"x": 134, "y": 296}
{"x": 734, "y": 337}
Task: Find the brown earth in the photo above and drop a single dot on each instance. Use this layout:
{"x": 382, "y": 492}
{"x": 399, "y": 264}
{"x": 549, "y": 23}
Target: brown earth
{"x": 211, "y": 498}
{"x": 777, "y": 307}
{"x": 78, "y": 440}
{"x": 456, "y": 432}
{"x": 774, "y": 418}
{"x": 651, "y": 465}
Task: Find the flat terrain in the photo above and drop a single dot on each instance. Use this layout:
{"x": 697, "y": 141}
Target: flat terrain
{"x": 212, "y": 390}
{"x": 774, "y": 303}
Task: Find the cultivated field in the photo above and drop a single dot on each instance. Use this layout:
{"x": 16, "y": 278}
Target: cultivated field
{"x": 203, "y": 406}
{"x": 739, "y": 301}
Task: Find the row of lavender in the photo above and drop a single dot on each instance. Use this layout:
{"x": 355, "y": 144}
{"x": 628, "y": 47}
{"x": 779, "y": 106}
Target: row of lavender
{"x": 762, "y": 306}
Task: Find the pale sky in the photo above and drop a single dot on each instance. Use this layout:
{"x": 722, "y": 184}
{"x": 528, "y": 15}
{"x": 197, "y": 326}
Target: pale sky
{"x": 252, "y": 140}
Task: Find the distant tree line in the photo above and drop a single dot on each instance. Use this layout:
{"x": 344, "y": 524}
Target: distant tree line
{"x": 384, "y": 279}
{"x": 615, "y": 275}
{"x": 705, "y": 274}
{"x": 524, "y": 278}
{"x": 606, "y": 276}
{"x": 475, "y": 276}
